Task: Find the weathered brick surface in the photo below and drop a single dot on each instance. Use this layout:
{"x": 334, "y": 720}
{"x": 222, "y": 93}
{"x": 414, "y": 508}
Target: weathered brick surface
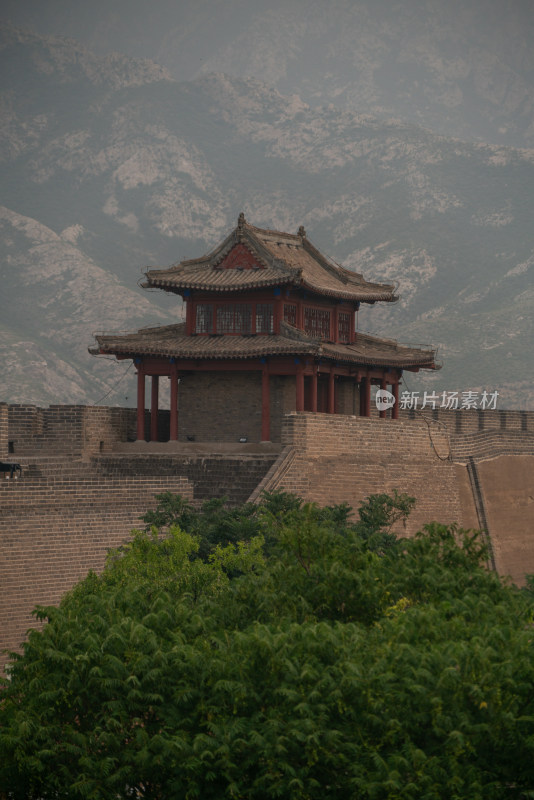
{"x": 68, "y": 429}
{"x": 57, "y": 523}
{"x": 4, "y": 437}
{"x": 472, "y": 421}
{"x": 225, "y": 406}
{"x": 232, "y": 476}
{"x": 344, "y": 459}
{"x": 61, "y": 518}
{"x": 507, "y": 487}
{"x": 81, "y": 494}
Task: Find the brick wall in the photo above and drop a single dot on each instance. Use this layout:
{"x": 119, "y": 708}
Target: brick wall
{"x": 102, "y": 427}
{"x": 61, "y": 518}
{"x": 344, "y": 459}
{"x": 481, "y": 434}
{"x": 347, "y": 397}
{"x": 225, "y": 406}
{"x": 68, "y": 429}
{"x": 4, "y": 435}
{"x": 57, "y": 523}
{"x": 79, "y": 496}
{"x": 471, "y": 421}
{"x": 507, "y": 489}
{"x": 234, "y": 476}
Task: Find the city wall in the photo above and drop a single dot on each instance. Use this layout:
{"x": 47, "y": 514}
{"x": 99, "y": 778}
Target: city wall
{"x": 85, "y": 483}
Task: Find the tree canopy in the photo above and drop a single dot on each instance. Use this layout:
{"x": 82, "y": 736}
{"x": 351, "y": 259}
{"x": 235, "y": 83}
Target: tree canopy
{"x": 278, "y": 651}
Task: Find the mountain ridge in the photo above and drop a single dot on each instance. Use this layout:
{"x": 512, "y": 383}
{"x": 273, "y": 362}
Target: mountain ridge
{"x": 130, "y": 175}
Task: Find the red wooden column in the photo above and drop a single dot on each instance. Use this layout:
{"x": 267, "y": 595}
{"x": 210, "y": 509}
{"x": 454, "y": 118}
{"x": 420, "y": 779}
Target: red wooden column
{"x": 395, "y": 393}
{"x": 300, "y": 387}
{"x": 265, "y": 405}
{"x": 383, "y": 385}
{"x": 154, "y": 398}
{"x": 140, "y": 402}
{"x": 368, "y": 396}
{"x": 331, "y": 407}
{"x": 365, "y": 397}
{"x": 314, "y": 389}
{"x": 173, "y": 428}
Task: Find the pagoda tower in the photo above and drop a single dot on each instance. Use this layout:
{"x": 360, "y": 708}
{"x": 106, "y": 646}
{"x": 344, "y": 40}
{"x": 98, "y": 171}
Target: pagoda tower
{"x": 269, "y": 329}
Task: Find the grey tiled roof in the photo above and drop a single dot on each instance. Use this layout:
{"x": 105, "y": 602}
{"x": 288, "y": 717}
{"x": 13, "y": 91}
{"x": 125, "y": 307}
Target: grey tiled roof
{"x": 172, "y": 341}
{"x": 284, "y": 259}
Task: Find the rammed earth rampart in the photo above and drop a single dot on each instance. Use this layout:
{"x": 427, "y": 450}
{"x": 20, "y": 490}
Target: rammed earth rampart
{"x": 85, "y": 483}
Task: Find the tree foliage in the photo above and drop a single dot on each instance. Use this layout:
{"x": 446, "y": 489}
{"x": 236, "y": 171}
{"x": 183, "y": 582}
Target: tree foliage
{"x": 279, "y": 650}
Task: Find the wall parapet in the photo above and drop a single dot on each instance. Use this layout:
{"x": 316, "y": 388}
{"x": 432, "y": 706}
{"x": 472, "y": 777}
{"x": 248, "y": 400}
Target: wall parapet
{"x": 470, "y": 421}
{"x": 62, "y": 429}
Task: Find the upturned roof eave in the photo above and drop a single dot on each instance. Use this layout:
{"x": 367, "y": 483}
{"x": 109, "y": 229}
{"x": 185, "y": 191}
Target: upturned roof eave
{"x": 294, "y": 350}
{"x": 283, "y": 280}
{"x": 183, "y": 285}
{"x": 354, "y": 287}
{"x": 290, "y": 342}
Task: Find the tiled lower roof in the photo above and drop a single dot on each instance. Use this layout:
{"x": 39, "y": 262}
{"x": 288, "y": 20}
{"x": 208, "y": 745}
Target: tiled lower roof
{"x": 171, "y": 341}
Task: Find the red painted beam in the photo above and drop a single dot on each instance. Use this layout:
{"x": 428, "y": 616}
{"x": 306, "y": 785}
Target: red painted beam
{"x": 173, "y": 428}
{"x": 265, "y": 406}
{"x": 383, "y": 385}
{"x": 300, "y": 388}
{"x": 140, "y": 402}
{"x": 395, "y": 393}
{"x": 154, "y": 398}
{"x": 314, "y": 390}
{"x": 331, "y": 408}
{"x": 367, "y": 383}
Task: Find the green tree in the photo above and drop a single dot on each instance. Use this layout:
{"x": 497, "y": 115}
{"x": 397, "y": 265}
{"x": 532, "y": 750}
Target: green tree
{"x": 335, "y": 661}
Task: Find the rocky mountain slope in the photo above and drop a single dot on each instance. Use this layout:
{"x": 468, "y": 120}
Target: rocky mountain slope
{"x": 109, "y": 164}
{"x": 461, "y": 67}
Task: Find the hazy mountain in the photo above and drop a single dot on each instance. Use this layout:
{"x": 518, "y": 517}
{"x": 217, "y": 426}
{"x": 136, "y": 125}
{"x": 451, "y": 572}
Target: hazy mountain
{"x": 108, "y": 164}
{"x": 461, "y": 67}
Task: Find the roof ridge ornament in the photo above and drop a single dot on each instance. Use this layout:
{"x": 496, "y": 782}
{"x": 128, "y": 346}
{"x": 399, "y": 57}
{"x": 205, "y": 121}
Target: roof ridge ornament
{"x": 301, "y": 232}
{"x": 240, "y": 230}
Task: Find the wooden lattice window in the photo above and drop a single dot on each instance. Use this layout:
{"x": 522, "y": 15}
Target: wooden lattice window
{"x": 343, "y": 326}
{"x": 317, "y": 322}
{"x": 290, "y": 314}
{"x": 264, "y": 318}
{"x": 234, "y": 318}
{"x": 243, "y": 318}
{"x": 204, "y": 318}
